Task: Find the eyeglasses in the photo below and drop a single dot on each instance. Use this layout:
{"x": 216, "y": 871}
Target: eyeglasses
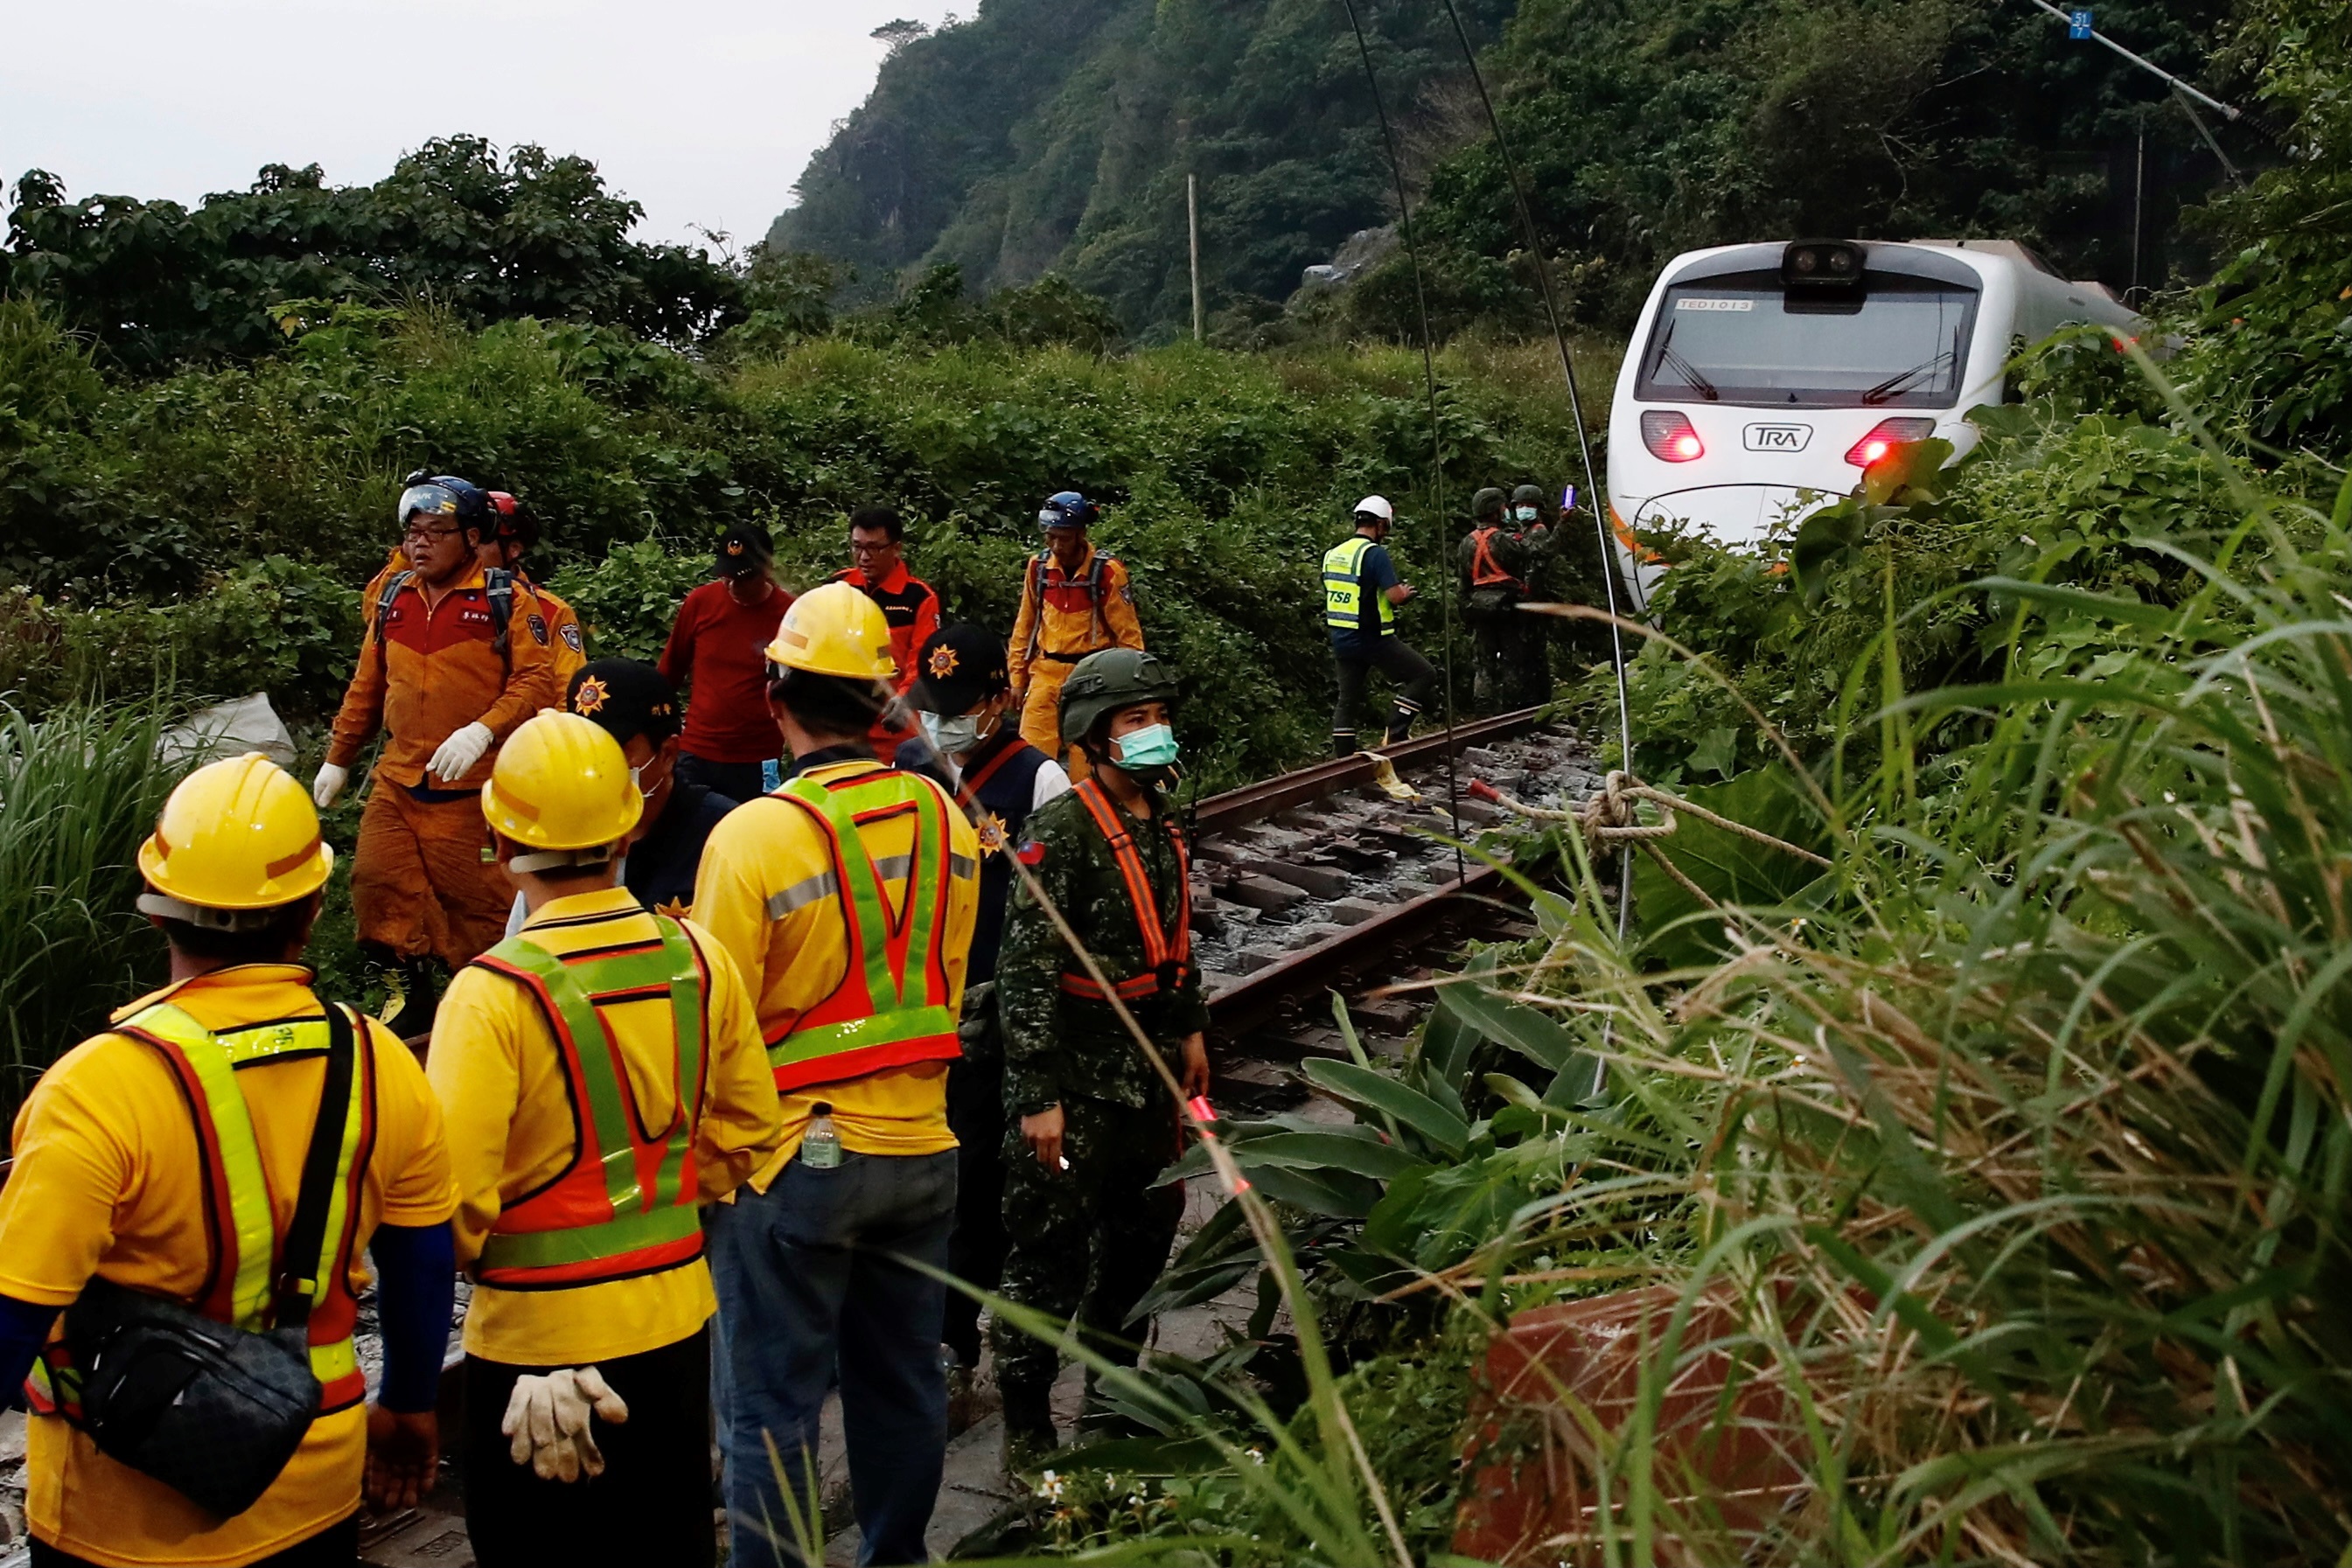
{"x": 868, "y": 548}
{"x": 419, "y": 531}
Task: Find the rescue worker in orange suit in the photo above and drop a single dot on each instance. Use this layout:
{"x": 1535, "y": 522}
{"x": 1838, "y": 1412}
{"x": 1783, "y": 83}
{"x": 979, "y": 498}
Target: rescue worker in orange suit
{"x": 847, "y": 898}
{"x": 876, "y": 534}
{"x": 1076, "y": 600}
{"x": 603, "y": 1078}
{"x": 162, "y": 1164}
{"x": 514, "y": 535}
{"x": 455, "y": 656}
{"x": 1494, "y": 565}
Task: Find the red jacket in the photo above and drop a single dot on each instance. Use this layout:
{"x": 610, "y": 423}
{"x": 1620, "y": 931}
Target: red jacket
{"x": 719, "y": 648}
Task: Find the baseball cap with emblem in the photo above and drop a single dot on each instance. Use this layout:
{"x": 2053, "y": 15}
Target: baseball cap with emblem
{"x": 960, "y": 667}
{"x": 624, "y": 698}
{"x": 743, "y": 548}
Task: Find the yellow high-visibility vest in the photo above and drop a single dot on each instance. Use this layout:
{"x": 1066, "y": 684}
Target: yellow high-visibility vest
{"x": 1343, "y": 589}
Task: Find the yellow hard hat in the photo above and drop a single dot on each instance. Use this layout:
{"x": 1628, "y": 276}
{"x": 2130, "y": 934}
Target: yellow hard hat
{"x": 562, "y": 784}
{"x": 237, "y": 843}
{"x": 835, "y": 631}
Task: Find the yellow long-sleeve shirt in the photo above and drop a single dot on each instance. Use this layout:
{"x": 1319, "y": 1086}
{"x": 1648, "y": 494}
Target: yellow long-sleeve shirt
{"x": 1066, "y": 615}
{"x": 495, "y": 1066}
{"x": 796, "y": 957}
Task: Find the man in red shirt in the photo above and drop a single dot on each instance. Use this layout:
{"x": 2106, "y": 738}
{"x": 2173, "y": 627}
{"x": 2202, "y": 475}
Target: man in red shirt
{"x": 715, "y": 654}
{"x": 907, "y": 603}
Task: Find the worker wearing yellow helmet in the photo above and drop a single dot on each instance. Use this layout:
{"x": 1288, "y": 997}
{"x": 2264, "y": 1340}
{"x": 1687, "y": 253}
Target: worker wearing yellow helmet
{"x": 602, "y": 1079}
{"x": 163, "y": 1169}
{"x": 849, "y": 898}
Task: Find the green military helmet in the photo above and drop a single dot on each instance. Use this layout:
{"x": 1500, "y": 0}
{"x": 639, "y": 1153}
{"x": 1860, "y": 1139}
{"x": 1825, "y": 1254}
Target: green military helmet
{"x": 1526, "y": 495}
{"x": 1486, "y": 503}
{"x": 1103, "y": 683}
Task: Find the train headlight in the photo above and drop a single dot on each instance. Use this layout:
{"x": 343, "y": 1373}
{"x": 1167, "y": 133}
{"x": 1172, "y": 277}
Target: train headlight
{"x": 1886, "y": 436}
{"x": 1667, "y": 432}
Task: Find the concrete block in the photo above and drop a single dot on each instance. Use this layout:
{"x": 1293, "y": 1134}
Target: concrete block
{"x": 1320, "y": 881}
{"x": 1263, "y": 893}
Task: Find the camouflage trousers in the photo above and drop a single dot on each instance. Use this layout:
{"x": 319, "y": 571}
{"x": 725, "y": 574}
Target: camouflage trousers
{"x": 1085, "y": 1243}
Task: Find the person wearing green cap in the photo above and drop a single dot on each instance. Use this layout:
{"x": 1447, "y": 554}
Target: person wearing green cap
{"x": 1093, "y": 1123}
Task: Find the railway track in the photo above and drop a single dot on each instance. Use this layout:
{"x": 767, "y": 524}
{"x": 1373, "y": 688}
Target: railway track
{"x": 1316, "y": 880}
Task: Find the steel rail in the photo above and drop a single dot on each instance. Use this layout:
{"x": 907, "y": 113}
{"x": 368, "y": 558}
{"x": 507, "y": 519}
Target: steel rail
{"x": 1253, "y": 803}
{"x": 1255, "y": 998}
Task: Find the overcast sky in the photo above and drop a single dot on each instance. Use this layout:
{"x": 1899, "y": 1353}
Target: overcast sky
{"x": 704, "y": 111}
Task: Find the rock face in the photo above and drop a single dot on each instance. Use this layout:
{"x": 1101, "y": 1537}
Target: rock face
{"x": 1365, "y": 249}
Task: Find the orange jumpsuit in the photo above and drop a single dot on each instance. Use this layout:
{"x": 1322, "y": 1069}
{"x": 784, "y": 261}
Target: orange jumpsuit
{"x": 1064, "y": 617}
{"x": 567, "y": 645}
{"x": 422, "y": 881}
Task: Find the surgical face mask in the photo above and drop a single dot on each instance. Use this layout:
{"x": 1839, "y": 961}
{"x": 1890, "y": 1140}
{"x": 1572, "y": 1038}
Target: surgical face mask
{"x": 952, "y": 736}
{"x": 1524, "y": 514}
{"x": 1153, "y": 746}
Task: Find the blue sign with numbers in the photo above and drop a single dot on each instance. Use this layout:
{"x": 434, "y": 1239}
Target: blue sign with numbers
{"x": 2078, "y": 22}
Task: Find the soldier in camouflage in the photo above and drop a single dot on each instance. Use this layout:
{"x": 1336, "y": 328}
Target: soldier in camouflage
{"x": 1093, "y": 1127}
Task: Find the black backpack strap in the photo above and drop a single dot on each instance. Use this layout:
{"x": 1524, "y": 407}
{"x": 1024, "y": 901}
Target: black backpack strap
{"x": 501, "y": 585}
{"x": 391, "y": 586}
{"x": 307, "y": 1233}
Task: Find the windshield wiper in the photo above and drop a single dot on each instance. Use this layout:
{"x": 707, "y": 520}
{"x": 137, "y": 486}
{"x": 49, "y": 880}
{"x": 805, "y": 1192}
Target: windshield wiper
{"x": 1690, "y": 372}
{"x": 1887, "y": 388}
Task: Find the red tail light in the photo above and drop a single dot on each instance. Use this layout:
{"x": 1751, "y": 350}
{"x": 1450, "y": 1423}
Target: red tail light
{"x": 1885, "y": 436}
{"x": 1668, "y": 434}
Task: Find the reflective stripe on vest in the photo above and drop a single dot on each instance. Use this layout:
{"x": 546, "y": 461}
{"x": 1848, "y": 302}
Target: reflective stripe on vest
{"x": 1485, "y": 572}
{"x": 626, "y": 1204}
{"x": 1343, "y": 588}
{"x": 1167, "y": 948}
{"x": 242, "y": 1230}
{"x": 891, "y": 1006}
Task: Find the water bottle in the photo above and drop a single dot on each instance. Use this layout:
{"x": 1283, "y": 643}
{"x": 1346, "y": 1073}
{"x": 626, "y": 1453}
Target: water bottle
{"x": 821, "y": 1144}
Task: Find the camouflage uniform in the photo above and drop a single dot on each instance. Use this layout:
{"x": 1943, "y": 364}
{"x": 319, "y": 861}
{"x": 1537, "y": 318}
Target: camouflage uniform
{"x": 1491, "y": 609}
{"x": 1101, "y": 1221}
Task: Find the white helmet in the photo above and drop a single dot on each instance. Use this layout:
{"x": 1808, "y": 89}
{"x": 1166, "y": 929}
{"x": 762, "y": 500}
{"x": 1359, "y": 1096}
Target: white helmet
{"x": 1378, "y": 507}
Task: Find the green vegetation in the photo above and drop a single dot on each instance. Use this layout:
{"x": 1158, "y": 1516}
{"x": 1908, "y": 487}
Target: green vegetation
{"x": 1045, "y": 136}
{"x": 78, "y": 791}
{"x": 2002, "y": 1160}
{"x": 1054, "y": 135}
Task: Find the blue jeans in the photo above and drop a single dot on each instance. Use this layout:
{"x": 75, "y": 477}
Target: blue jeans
{"x": 813, "y": 1276}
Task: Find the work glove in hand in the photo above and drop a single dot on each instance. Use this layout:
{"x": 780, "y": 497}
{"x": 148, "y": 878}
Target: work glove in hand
{"x": 460, "y": 752}
{"x": 547, "y": 1423}
{"x": 329, "y": 785}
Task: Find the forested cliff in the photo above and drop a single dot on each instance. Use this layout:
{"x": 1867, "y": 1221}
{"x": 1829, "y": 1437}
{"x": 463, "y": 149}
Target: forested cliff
{"x": 1055, "y": 135}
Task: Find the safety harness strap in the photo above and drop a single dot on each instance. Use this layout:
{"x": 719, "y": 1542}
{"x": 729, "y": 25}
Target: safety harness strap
{"x": 1167, "y": 946}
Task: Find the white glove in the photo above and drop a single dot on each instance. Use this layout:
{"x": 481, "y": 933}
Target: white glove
{"x": 460, "y": 752}
{"x": 329, "y": 784}
{"x": 547, "y": 1422}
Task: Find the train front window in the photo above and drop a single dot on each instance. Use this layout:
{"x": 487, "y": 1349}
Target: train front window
{"x": 1743, "y": 338}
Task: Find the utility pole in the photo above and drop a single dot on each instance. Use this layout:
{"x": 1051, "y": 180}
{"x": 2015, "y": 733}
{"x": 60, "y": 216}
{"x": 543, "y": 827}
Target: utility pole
{"x": 2139, "y": 205}
{"x": 1192, "y": 221}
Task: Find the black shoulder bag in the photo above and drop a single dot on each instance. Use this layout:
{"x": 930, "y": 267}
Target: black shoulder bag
{"x": 213, "y": 1411}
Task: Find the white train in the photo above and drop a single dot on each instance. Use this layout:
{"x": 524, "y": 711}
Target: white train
{"x": 1762, "y": 379}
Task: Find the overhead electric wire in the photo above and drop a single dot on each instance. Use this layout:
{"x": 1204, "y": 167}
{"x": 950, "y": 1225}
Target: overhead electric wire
{"x": 1436, "y": 431}
{"x": 1583, "y": 441}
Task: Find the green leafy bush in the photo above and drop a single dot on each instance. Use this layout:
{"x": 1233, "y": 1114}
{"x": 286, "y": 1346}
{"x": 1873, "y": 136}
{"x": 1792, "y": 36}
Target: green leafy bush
{"x": 79, "y": 791}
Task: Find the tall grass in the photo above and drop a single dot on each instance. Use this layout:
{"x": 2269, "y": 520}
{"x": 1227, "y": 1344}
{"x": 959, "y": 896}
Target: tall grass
{"x": 2006, "y": 1163}
{"x": 79, "y": 788}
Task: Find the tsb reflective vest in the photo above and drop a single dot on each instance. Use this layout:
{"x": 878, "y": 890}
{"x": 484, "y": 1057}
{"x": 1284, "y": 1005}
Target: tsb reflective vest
{"x": 241, "y": 1277}
{"x": 1167, "y": 946}
{"x": 891, "y": 1006}
{"x": 1344, "y": 589}
{"x": 626, "y": 1204}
